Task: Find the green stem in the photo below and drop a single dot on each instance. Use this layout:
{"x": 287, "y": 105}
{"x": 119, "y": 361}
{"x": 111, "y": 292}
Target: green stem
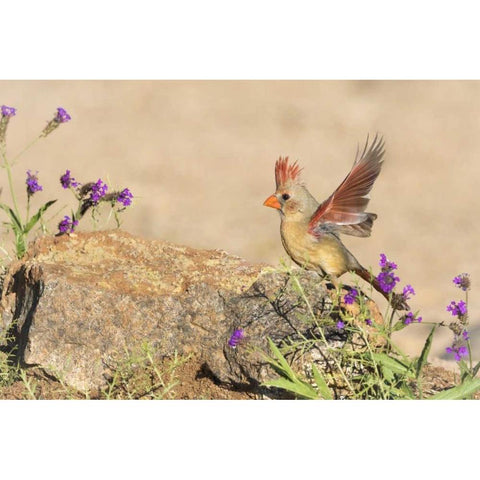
{"x": 10, "y": 184}
{"x": 468, "y": 341}
{"x": 33, "y": 142}
{"x": 28, "y": 209}
{"x": 377, "y": 373}
{"x": 394, "y": 347}
{"x": 390, "y": 324}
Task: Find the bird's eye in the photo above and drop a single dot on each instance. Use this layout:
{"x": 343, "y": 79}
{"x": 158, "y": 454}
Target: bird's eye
{"x": 285, "y": 196}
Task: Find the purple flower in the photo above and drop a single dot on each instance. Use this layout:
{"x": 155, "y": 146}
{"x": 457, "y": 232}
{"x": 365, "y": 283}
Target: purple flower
{"x": 340, "y": 325}
{"x": 68, "y": 181}
{"x": 465, "y": 335}
{"x": 62, "y": 115}
{"x": 236, "y": 337}
{"x": 410, "y": 318}
{"x": 457, "y": 309}
{"x": 386, "y": 278}
{"x": 32, "y": 183}
{"x": 125, "y": 197}
{"x": 387, "y": 281}
{"x": 462, "y": 351}
{"x": 368, "y": 322}
{"x": 458, "y": 351}
{"x": 407, "y": 291}
{"x": 66, "y": 225}
{"x": 351, "y": 296}
{"x": 8, "y": 111}
{"x": 462, "y": 281}
{"x": 99, "y": 190}
{"x": 385, "y": 264}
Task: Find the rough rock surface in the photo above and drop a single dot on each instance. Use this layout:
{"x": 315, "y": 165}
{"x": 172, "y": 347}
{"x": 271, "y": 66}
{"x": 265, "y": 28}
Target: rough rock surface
{"x": 73, "y": 303}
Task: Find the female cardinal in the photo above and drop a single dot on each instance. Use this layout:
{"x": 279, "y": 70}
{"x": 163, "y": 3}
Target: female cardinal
{"x": 310, "y": 232}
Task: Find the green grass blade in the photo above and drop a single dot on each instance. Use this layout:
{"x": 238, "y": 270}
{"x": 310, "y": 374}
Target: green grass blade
{"x": 289, "y": 380}
{"x": 464, "y": 370}
{"x": 16, "y": 223}
{"x": 321, "y": 384}
{"x": 299, "y": 388}
{"x": 475, "y": 369}
{"x": 396, "y": 366}
{"x": 464, "y": 390}
{"x": 35, "y": 218}
{"x": 422, "y": 360}
{"x": 388, "y": 375}
{"x": 20, "y": 245}
{"x": 282, "y": 363}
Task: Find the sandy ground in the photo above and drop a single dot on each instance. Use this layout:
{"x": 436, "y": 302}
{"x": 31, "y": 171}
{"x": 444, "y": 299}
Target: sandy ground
{"x": 199, "y": 158}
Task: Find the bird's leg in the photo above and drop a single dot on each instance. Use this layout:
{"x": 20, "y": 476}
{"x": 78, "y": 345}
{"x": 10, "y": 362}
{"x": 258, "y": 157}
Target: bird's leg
{"x": 333, "y": 279}
{"x": 336, "y": 283}
{"x": 321, "y": 274}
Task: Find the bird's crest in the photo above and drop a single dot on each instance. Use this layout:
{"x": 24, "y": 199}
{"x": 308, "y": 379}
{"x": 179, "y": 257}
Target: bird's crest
{"x": 286, "y": 173}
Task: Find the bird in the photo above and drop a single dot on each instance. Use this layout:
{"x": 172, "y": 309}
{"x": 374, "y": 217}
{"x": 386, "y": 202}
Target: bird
{"x": 310, "y": 231}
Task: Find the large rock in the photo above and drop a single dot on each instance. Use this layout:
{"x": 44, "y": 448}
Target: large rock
{"x": 74, "y": 303}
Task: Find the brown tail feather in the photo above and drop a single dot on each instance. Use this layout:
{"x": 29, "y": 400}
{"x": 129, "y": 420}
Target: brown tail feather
{"x": 363, "y": 229}
{"x": 368, "y": 277}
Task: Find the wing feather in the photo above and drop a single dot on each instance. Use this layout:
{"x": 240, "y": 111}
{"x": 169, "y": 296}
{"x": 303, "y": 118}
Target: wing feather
{"x": 346, "y": 206}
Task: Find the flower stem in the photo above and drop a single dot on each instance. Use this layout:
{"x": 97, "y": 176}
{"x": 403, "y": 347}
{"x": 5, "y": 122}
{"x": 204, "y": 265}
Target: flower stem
{"x": 10, "y": 184}
{"x": 375, "y": 367}
{"x": 28, "y": 209}
{"x": 468, "y": 341}
{"x": 33, "y": 142}
{"x": 390, "y": 322}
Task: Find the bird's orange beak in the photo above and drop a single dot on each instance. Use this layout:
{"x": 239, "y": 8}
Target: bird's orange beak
{"x": 272, "y": 202}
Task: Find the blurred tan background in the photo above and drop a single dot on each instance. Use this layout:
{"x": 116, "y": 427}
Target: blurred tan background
{"x": 199, "y": 157}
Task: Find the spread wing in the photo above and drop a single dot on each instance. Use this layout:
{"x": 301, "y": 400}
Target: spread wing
{"x": 344, "y": 210}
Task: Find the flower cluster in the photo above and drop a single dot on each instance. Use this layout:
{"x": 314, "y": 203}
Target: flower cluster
{"x": 61, "y": 117}
{"x": 351, "y": 296}
{"x": 32, "y": 183}
{"x": 236, "y": 337}
{"x": 7, "y": 113}
{"x": 410, "y": 317}
{"x": 462, "y": 281}
{"x": 98, "y": 191}
{"x": 458, "y": 350}
{"x": 457, "y": 309}
{"x": 407, "y": 291}
{"x": 91, "y": 194}
{"x": 387, "y": 281}
{"x": 67, "y": 181}
{"x": 386, "y": 278}
{"x": 125, "y": 197}
{"x": 460, "y": 310}
{"x": 88, "y": 195}
{"x": 67, "y": 225}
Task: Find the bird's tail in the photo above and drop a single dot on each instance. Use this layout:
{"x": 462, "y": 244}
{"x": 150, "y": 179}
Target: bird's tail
{"x": 397, "y": 300}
